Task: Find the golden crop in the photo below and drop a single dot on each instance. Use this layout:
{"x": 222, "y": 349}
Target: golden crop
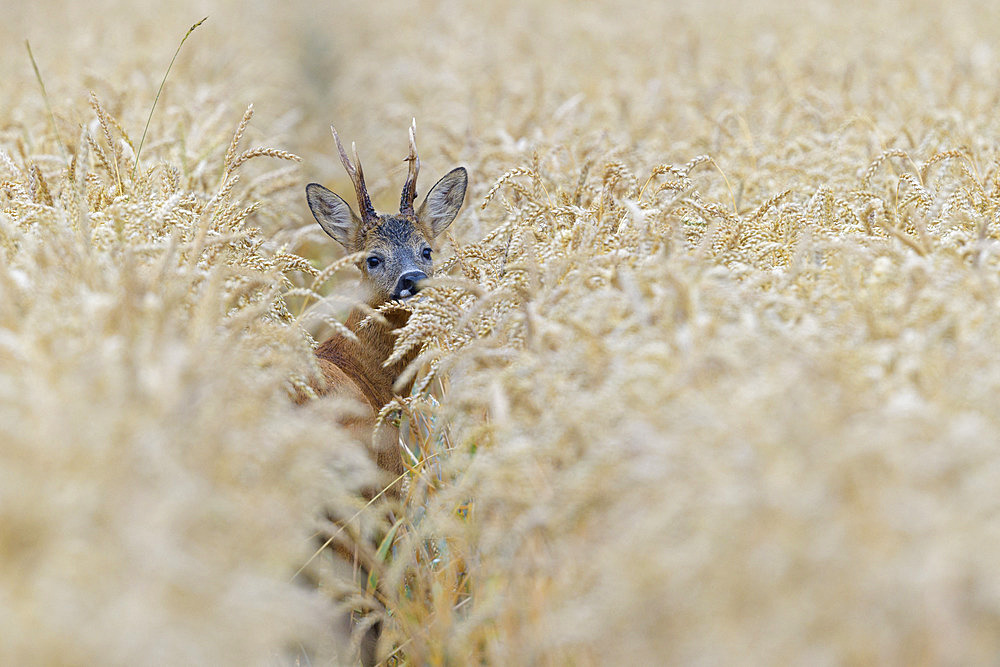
{"x": 709, "y": 375}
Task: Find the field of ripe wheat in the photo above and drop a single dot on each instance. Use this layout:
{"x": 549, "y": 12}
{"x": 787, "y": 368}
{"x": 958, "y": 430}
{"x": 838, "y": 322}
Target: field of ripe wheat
{"x": 710, "y": 373}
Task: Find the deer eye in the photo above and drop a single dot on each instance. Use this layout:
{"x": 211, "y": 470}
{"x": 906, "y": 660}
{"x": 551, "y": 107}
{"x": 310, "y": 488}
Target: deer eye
{"x": 373, "y": 262}
{"x": 427, "y": 253}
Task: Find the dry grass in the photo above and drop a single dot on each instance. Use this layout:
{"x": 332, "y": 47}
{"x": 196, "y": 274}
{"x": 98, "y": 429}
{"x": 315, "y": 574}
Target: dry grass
{"x": 709, "y": 374}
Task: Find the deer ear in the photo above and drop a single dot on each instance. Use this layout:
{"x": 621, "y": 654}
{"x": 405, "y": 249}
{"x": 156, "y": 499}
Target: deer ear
{"x": 444, "y": 201}
{"x": 333, "y": 214}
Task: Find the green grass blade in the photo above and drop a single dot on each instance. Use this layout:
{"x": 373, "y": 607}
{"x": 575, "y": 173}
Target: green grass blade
{"x": 45, "y": 96}
{"x": 383, "y": 552}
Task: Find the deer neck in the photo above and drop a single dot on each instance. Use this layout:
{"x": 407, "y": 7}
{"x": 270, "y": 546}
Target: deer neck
{"x": 375, "y": 342}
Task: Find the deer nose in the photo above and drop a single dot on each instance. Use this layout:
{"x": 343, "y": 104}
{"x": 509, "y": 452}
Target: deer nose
{"x": 409, "y": 284}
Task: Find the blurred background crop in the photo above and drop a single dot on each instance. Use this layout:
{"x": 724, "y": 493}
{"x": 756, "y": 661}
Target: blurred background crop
{"x": 716, "y": 380}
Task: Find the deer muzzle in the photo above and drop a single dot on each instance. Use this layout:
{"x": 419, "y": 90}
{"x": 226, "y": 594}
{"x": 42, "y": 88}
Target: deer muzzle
{"x": 408, "y": 284}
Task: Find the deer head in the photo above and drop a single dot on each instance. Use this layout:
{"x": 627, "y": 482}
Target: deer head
{"x": 399, "y": 248}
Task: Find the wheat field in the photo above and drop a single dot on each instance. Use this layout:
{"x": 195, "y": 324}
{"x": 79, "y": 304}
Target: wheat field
{"x": 708, "y": 373}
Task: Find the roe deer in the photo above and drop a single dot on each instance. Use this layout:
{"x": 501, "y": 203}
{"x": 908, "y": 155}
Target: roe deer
{"x": 399, "y": 250}
{"x": 398, "y": 255}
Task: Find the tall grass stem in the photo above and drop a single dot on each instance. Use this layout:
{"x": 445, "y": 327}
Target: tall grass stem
{"x": 159, "y": 90}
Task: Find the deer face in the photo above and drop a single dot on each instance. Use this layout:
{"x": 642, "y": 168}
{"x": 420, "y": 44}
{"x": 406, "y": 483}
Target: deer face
{"x": 399, "y": 249}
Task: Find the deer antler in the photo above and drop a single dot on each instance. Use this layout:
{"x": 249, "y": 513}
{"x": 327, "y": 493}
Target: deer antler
{"x": 357, "y": 175}
{"x": 410, "y": 187}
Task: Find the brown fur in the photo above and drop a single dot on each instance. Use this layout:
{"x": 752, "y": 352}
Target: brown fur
{"x": 355, "y": 370}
